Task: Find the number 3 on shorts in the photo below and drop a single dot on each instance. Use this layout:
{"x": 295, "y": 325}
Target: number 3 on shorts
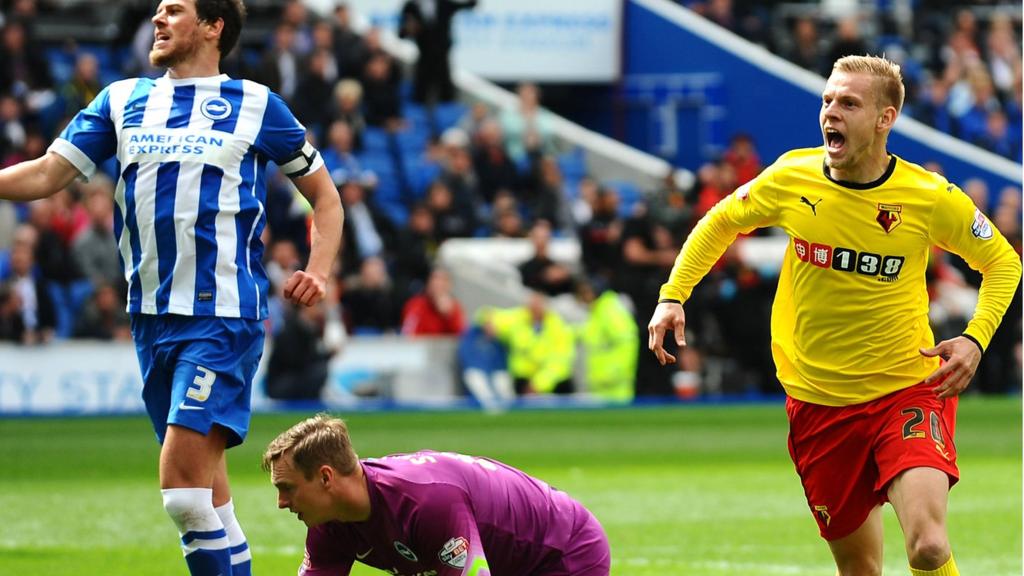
{"x": 202, "y": 384}
{"x": 917, "y": 417}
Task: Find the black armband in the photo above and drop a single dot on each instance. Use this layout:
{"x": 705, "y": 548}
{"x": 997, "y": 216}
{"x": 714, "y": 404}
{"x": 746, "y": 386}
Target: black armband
{"x": 669, "y": 301}
{"x": 975, "y": 340}
{"x": 299, "y": 163}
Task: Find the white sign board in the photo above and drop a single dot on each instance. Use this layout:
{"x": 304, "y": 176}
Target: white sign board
{"x": 70, "y": 378}
{"x": 537, "y": 40}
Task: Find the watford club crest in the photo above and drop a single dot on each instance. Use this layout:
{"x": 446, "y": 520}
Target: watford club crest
{"x": 889, "y": 216}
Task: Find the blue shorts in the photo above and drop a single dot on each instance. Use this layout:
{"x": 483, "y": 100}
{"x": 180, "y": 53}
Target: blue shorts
{"x": 198, "y": 371}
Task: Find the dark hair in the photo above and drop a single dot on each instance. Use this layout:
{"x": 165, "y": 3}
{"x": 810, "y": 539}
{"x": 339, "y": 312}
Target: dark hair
{"x": 232, "y": 12}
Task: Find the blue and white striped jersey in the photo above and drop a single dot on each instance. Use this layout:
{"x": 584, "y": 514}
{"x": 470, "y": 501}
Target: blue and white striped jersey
{"x": 191, "y": 155}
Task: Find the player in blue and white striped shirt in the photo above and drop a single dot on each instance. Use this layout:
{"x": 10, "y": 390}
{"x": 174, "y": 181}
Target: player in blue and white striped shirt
{"x": 191, "y": 149}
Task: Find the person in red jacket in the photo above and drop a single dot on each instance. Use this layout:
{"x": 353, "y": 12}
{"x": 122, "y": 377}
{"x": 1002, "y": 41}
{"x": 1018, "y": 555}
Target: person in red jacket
{"x": 434, "y": 311}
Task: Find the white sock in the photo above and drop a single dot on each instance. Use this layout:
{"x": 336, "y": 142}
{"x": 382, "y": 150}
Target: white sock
{"x": 241, "y": 558}
{"x": 203, "y": 539}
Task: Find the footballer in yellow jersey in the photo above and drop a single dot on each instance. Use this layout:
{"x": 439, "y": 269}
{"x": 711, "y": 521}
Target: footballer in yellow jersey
{"x": 871, "y": 407}
{"x": 851, "y": 310}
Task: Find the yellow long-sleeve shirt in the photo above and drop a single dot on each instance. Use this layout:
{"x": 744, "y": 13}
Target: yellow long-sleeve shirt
{"x": 851, "y": 310}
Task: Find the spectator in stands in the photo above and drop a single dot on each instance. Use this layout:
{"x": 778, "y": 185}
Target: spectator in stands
{"x": 12, "y": 321}
{"x": 458, "y": 174}
{"x": 52, "y": 252}
{"x": 1003, "y": 54}
{"x": 647, "y": 252}
{"x": 541, "y": 346}
{"x": 38, "y": 316}
{"x": 104, "y": 316}
{"x": 284, "y": 260}
{"x": 540, "y": 272}
{"x": 805, "y": 47}
{"x": 435, "y": 311}
{"x": 367, "y": 233}
{"x": 529, "y": 127}
{"x": 295, "y": 14}
{"x": 451, "y": 219}
{"x": 998, "y": 138}
{"x": 417, "y": 250}
{"x": 12, "y": 130}
{"x": 312, "y": 99}
{"x": 582, "y": 203}
{"x": 69, "y": 218}
{"x": 142, "y": 42}
{"x": 299, "y": 359}
{"x": 600, "y": 237}
{"x": 95, "y": 250}
{"x": 1007, "y": 216}
{"x": 382, "y": 102}
{"x": 473, "y": 119}
{"x": 347, "y": 43}
{"x": 280, "y": 64}
{"x": 369, "y": 299}
{"x": 83, "y": 86}
{"x": 8, "y": 224}
{"x": 323, "y": 41}
{"x": 428, "y": 23}
{"x": 347, "y": 106}
{"x": 716, "y": 180}
{"x": 340, "y": 159}
{"x": 974, "y": 117}
{"x": 609, "y": 338}
{"x": 24, "y": 71}
{"x": 544, "y": 194}
{"x": 846, "y": 41}
{"x": 672, "y": 203}
{"x": 506, "y": 218}
{"x": 743, "y": 157}
{"x": 933, "y": 108}
{"x": 492, "y": 164}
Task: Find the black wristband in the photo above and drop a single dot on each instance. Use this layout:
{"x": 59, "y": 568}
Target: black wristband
{"x": 975, "y": 340}
{"x": 669, "y": 301}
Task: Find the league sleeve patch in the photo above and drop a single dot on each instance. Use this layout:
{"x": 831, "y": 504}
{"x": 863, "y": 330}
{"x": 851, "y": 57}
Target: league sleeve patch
{"x": 743, "y": 192}
{"x": 455, "y": 552}
{"x": 981, "y": 227}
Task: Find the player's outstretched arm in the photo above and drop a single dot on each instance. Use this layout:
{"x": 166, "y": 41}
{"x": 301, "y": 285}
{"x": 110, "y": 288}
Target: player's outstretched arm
{"x": 307, "y": 287}
{"x": 34, "y": 179}
{"x": 668, "y": 316}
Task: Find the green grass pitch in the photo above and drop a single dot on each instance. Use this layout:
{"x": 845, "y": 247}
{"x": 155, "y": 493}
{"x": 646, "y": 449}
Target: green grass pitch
{"x": 695, "y": 490}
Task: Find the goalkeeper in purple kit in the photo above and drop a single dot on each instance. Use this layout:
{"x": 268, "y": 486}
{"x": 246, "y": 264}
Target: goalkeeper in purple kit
{"x": 427, "y": 513}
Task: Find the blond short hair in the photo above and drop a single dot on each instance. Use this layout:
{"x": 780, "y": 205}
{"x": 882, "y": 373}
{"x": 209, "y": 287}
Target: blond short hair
{"x": 889, "y": 88}
{"x": 314, "y": 442}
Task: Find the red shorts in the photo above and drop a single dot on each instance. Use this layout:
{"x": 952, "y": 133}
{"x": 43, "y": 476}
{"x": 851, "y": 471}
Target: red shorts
{"x": 846, "y": 456}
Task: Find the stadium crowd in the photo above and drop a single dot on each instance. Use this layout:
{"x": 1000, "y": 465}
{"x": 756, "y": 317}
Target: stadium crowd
{"x": 412, "y": 174}
{"x": 961, "y": 62}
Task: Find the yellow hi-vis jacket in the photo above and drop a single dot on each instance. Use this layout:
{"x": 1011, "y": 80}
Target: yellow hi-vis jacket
{"x": 610, "y": 344}
{"x": 545, "y": 355}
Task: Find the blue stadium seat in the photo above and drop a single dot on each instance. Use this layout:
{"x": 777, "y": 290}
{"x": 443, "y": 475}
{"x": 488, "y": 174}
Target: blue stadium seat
{"x": 573, "y": 165}
{"x": 416, "y": 115}
{"x": 420, "y": 172}
{"x": 375, "y": 139}
{"x": 395, "y": 211}
{"x": 380, "y": 162}
{"x": 413, "y": 139}
{"x": 448, "y": 114}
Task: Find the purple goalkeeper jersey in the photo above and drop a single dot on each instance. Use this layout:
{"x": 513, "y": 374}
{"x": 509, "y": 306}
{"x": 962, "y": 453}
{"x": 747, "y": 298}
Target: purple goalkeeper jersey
{"x": 446, "y": 514}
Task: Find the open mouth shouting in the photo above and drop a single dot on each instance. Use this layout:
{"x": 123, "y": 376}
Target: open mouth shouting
{"x": 835, "y": 141}
{"x": 160, "y": 39}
